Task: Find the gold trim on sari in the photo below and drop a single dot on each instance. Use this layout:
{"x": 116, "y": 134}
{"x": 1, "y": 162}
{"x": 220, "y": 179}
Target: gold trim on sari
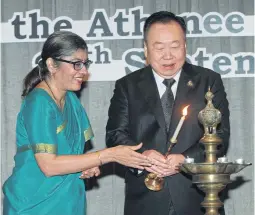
{"x": 45, "y": 148}
{"x": 61, "y": 127}
{"x": 39, "y": 148}
{"x": 88, "y": 134}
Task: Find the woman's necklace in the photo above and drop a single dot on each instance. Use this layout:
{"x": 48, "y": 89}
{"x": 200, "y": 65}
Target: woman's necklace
{"x": 58, "y": 103}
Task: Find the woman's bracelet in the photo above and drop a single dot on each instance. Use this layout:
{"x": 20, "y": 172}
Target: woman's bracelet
{"x": 99, "y": 157}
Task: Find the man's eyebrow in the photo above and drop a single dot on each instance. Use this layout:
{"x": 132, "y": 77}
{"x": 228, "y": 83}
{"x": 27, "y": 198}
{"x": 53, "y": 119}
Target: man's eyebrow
{"x": 157, "y": 43}
{"x": 175, "y": 41}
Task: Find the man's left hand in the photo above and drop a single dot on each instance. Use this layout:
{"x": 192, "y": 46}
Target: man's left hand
{"x": 174, "y": 161}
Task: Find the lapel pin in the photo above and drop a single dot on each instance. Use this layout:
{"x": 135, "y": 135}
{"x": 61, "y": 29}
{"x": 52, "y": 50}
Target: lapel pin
{"x": 190, "y": 84}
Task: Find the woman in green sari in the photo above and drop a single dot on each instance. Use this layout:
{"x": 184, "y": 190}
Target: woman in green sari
{"x": 52, "y": 128}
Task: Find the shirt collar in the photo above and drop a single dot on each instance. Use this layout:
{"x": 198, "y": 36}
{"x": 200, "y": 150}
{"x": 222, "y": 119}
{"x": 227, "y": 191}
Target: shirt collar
{"x": 159, "y": 79}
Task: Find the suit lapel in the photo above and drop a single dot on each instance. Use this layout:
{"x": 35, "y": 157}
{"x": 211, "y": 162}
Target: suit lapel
{"x": 149, "y": 89}
{"x": 188, "y": 82}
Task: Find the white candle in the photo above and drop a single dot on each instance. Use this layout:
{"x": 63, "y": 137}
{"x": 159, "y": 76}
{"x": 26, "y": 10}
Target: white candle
{"x": 179, "y": 126}
{"x": 240, "y": 161}
{"x": 222, "y": 160}
{"x": 189, "y": 160}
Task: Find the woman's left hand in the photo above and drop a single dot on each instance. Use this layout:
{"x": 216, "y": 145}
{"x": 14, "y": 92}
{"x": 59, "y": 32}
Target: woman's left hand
{"x": 95, "y": 171}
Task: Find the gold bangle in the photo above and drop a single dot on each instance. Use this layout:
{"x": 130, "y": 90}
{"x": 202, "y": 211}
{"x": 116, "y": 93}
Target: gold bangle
{"x": 99, "y": 158}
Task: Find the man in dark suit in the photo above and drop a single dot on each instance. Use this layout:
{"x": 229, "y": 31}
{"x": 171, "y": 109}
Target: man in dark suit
{"x": 147, "y": 106}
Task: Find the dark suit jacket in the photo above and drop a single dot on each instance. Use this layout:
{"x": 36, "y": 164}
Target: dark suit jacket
{"x": 136, "y": 115}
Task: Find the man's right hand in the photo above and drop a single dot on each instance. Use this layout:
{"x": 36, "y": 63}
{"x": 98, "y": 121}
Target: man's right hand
{"x": 159, "y": 162}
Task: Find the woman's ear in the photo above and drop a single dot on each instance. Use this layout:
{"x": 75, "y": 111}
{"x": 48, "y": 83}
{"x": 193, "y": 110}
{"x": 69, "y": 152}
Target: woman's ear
{"x": 51, "y": 65}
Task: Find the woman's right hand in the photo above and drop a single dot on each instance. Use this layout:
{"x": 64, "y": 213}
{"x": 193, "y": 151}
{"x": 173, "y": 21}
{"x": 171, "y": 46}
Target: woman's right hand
{"x": 127, "y": 155}
{"x": 95, "y": 171}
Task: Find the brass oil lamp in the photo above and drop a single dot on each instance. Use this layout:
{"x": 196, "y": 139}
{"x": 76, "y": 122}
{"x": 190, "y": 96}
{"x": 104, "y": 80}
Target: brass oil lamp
{"x": 213, "y": 175}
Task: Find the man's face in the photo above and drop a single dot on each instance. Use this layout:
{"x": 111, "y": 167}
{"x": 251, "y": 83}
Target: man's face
{"x": 165, "y": 48}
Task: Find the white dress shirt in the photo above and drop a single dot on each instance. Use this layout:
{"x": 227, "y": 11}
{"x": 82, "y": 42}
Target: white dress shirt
{"x": 162, "y": 87}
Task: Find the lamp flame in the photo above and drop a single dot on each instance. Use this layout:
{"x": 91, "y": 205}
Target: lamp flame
{"x": 185, "y": 110}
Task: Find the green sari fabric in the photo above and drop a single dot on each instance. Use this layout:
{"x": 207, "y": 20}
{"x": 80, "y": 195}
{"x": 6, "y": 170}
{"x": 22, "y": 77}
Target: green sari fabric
{"x": 43, "y": 128}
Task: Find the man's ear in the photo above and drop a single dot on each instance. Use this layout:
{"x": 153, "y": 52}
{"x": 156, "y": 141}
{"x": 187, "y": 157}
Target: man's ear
{"x": 52, "y": 67}
{"x": 145, "y": 49}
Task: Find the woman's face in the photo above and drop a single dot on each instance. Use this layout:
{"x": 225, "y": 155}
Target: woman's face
{"x": 66, "y": 76}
